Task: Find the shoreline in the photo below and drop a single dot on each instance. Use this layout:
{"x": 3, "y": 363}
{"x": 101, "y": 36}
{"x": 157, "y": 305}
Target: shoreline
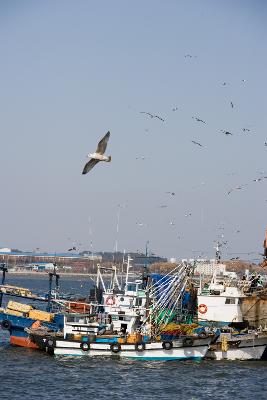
{"x": 33, "y": 273}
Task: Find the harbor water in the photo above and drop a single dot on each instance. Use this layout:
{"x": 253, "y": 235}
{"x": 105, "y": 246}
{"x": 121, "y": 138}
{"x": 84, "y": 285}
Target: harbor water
{"x": 32, "y": 374}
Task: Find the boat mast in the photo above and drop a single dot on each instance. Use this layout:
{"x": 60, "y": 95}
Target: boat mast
{"x": 127, "y": 270}
{"x": 3, "y": 268}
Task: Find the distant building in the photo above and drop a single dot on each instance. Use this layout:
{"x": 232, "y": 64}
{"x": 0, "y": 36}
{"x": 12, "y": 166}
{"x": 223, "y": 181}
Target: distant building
{"x": 93, "y": 257}
{"x": 5, "y": 250}
{"x": 43, "y": 267}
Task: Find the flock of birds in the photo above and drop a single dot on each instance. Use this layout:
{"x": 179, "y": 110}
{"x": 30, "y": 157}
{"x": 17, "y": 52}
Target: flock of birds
{"x": 98, "y": 156}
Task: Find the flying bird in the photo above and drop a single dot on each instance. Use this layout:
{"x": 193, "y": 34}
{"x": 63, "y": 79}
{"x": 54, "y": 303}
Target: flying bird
{"x": 152, "y": 115}
{"x": 232, "y": 104}
{"x": 265, "y": 143}
{"x": 161, "y": 119}
{"x": 98, "y": 155}
{"x": 188, "y": 215}
{"x": 199, "y": 120}
{"x": 175, "y": 109}
{"x": 246, "y": 130}
{"x": 237, "y": 188}
{"x": 141, "y": 158}
{"x": 147, "y": 113}
{"x": 72, "y": 248}
{"x": 141, "y": 224}
{"x": 226, "y": 132}
{"x": 199, "y": 144}
{"x": 224, "y": 84}
{"x": 172, "y": 193}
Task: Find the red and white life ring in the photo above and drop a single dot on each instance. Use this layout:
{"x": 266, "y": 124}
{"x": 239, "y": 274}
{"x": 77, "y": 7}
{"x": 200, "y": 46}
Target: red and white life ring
{"x": 110, "y": 301}
{"x": 202, "y": 308}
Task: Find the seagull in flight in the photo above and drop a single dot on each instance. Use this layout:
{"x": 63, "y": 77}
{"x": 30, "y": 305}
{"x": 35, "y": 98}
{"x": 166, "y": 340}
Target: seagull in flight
{"x": 237, "y": 188}
{"x": 199, "y": 120}
{"x": 152, "y": 115}
{"x": 199, "y": 144}
{"x": 72, "y": 248}
{"x": 226, "y": 132}
{"x": 141, "y": 158}
{"x": 98, "y": 155}
{"x": 172, "y": 193}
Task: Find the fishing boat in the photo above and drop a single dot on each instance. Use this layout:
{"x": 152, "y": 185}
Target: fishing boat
{"x": 20, "y": 316}
{"x": 180, "y": 349}
{"x": 145, "y": 336}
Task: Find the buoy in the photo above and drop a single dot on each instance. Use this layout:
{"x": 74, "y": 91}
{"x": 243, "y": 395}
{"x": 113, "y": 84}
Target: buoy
{"x": 202, "y": 308}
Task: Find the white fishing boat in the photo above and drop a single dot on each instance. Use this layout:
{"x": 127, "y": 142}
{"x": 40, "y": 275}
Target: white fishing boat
{"x": 183, "y": 348}
{"x": 134, "y": 322}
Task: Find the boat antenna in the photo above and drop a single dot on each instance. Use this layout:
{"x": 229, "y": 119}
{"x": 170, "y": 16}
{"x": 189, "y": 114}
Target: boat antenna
{"x": 91, "y": 242}
{"x": 218, "y": 252}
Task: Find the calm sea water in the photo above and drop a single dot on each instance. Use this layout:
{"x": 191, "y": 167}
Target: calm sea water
{"x": 27, "y": 374}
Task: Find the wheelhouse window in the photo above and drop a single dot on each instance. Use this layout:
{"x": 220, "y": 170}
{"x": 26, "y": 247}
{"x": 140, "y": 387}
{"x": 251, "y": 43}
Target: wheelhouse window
{"x": 138, "y": 302}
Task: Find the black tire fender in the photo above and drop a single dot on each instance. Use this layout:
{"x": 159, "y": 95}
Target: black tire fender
{"x": 6, "y": 324}
{"x": 85, "y": 346}
{"x": 50, "y": 351}
{"x": 115, "y": 347}
{"x": 140, "y": 347}
{"x": 167, "y": 345}
{"x": 202, "y": 335}
{"x": 187, "y": 342}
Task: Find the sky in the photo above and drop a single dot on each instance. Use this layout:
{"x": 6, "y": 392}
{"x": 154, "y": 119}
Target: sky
{"x": 73, "y": 70}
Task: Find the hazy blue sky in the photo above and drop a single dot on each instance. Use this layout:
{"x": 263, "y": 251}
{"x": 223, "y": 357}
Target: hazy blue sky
{"x": 72, "y": 70}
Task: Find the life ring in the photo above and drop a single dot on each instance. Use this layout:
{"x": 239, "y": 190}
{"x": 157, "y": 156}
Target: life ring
{"x": 202, "y": 308}
{"x": 115, "y": 347}
{"x": 140, "y": 347}
{"x": 6, "y": 324}
{"x": 110, "y": 300}
{"x": 85, "y": 346}
{"x": 187, "y": 342}
{"x": 167, "y": 345}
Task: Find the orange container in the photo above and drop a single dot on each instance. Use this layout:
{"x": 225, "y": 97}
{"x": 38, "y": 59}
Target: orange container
{"x": 134, "y": 338}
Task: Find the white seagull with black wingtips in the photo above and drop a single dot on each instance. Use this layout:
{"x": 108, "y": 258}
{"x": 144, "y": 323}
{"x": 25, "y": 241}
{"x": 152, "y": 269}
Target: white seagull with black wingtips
{"x": 98, "y": 155}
